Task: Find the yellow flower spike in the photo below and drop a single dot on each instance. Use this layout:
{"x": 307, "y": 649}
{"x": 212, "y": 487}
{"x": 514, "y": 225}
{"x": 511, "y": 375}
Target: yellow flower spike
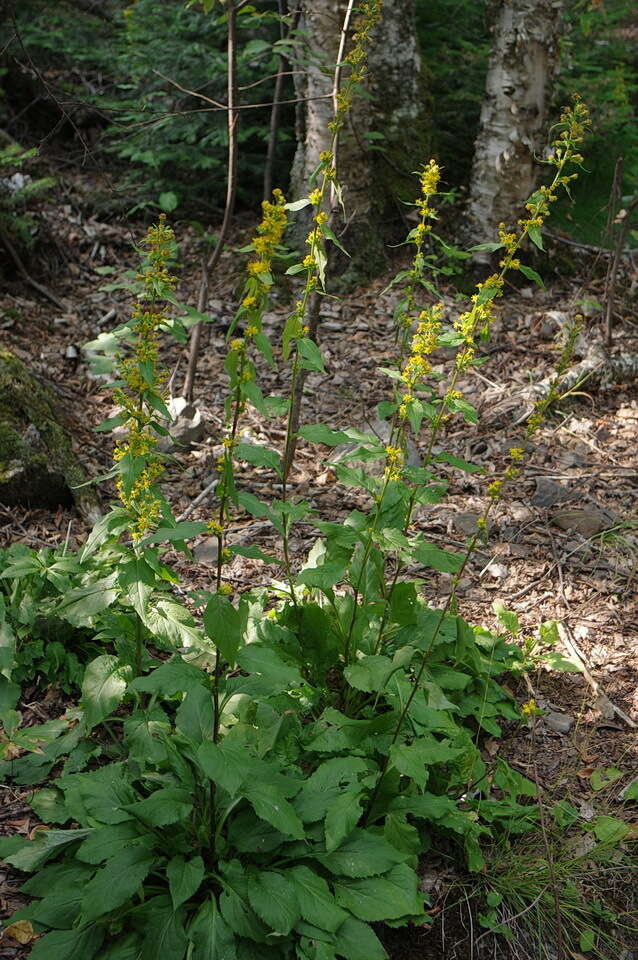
{"x": 215, "y": 528}
{"x": 225, "y": 589}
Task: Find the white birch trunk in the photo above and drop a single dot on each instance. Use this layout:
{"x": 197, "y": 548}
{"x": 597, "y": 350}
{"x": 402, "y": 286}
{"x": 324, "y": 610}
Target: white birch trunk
{"x": 518, "y": 91}
{"x": 394, "y": 107}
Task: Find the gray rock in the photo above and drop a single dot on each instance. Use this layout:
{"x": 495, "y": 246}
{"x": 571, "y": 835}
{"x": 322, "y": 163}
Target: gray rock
{"x": 559, "y": 722}
{"x": 549, "y": 493}
{"x": 466, "y": 523}
{"x": 207, "y": 551}
{"x": 587, "y": 522}
{"x": 187, "y": 426}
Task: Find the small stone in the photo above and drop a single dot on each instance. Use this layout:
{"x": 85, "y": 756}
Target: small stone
{"x": 186, "y": 427}
{"x": 207, "y": 551}
{"x": 466, "y": 523}
{"x": 498, "y": 570}
{"x": 549, "y": 493}
{"x": 586, "y": 522}
{"x": 559, "y": 722}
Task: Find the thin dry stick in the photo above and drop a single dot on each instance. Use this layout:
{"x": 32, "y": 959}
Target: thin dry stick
{"x": 612, "y": 275}
{"x": 26, "y": 276}
{"x": 231, "y": 190}
{"x": 336, "y": 84}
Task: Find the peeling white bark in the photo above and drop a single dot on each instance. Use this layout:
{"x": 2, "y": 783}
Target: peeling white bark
{"x": 518, "y": 90}
{"x": 394, "y": 105}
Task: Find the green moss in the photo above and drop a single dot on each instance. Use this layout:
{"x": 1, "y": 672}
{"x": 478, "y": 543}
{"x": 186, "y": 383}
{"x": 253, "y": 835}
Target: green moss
{"x": 37, "y": 463}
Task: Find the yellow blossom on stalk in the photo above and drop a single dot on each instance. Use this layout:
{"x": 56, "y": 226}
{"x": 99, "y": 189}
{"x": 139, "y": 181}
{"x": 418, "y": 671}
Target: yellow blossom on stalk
{"x": 516, "y": 453}
{"x": 225, "y": 589}
{"x": 424, "y": 342}
{"x": 215, "y": 528}
{"x": 529, "y": 708}
{"x": 495, "y": 489}
{"x": 249, "y": 302}
{"x": 394, "y": 459}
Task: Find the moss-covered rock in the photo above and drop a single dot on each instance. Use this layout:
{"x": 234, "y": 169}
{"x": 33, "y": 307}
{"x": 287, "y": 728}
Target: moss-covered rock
{"x": 37, "y": 464}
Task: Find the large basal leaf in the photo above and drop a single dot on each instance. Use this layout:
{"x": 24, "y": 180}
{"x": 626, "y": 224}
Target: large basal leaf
{"x": 172, "y": 677}
{"x": 211, "y": 936}
{"x": 194, "y": 718}
{"x": 163, "y": 930}
{"x": 80, "y": 605}
{"x": 271, "y": 805}
{"x": 184, "y": 878}
{"x": 317, "y": 904}
{"x": 382, "y": 898}
{"x": 228, "y": 765}
{"x": 357, "y": 941}
{"x": 104, "y": 842}
{"x": 28, "y": 855}
{"x": 167, "y": 805}
{"x": 272, "y": 896}
{"x": 116, "y": 882}
{"x": 363, "y": 854}
{"x": 77, "y": 944}
{"x": 342, "y": 818}
{"x": 103, "y": 688}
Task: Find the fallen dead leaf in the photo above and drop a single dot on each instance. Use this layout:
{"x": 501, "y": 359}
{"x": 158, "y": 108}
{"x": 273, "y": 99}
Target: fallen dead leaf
{"x": 21, "y": 931}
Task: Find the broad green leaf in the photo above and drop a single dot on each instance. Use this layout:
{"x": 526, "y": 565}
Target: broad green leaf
{"x": 357, "y": 941}
{"x": 184, "y": 878}
{"x": 167, "y": 805}
{"x": 31, "y": 854}
{"x": 411, "y": 760}
{"x": 194, "y": 717}
{"x": 325, "y": 576}
{"x": 316, "y": 903}
{"x": 442, "y": 560}
{"x": 507, "y": 617}
{"x": 531, "y": 275}
{"x": 273, "y": 898}
{"x": 109, "y": 526}
{"x": 212, "y": 938}
{"x": 80, "y": 605}
{"x": 363, "y": 854}
{"x": 173, "y": 625}
{"x": 535, "y": 235}
{"x": 227, "y": 764}
{"x": 137, "y": 580}
{"x": 76, "y": 944}
{"x": 144, "y": 732}
{"x": 264, "y": 664}
{"x": 173, "y": 676}
{"x": 49, "y": 805}
{"x": 124, "y": 948}
{"x": 103, "y": 688}
{"x": 104, "y": 842}
{"x": 631, "y": 792}
{"x": 271, "y": 805}
{"x": 311, "y": 355}
{"x": 610, "y": 829}
{"x": 116, "y": 882}
{"x": 342, "y": 818}
{"x": 163, "y": 930}
{"x": 259, "y": 456}
{"x": 223, "y": 625}
{"x": 369, "y": 674}
{"x": 318, "y": 433}
{"x": 382, "y": 898}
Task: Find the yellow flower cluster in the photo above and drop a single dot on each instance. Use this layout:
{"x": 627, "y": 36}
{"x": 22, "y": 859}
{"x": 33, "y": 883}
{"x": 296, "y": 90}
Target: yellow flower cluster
{"x": 269, "y": 234}
{"x": 370, "y": 16}
{"x": 141, "y": 381}
{"x": 424, "y": 342}
{"x": 394, "y": 461}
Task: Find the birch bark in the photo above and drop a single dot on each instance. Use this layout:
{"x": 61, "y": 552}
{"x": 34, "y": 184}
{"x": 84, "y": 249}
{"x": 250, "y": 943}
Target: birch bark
{"x": 520, "y": 78}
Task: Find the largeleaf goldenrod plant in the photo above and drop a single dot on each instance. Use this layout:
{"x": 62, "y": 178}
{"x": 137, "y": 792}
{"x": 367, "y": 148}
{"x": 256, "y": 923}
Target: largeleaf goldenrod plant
{"x": 276, "y": 773}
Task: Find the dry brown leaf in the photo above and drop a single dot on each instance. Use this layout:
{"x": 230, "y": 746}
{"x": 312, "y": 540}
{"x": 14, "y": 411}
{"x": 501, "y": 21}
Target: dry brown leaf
{"x": 21, "y": 931}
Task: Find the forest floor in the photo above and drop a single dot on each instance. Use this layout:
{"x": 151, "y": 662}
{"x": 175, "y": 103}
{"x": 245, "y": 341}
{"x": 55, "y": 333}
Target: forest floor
{"x": 563, "y": 541}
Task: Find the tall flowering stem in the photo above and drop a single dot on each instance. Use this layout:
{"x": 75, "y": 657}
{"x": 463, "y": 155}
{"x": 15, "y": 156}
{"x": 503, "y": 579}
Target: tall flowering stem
{"x": 140, "y": 395}
{"x": 240, "y": 366}
{"x": 297, "y": 347}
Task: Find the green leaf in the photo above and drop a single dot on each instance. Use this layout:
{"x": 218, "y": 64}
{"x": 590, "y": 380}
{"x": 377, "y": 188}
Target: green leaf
{"x": 49, "y": 805}
{"x": 173, "y": 676}
{"x": 316, "y": 903}
{"x": 602, "y": 778}
{"x": 273, "y": 898}
{"x": 534, "y": 233}
{"x": 194, "y": 717}
{"x": 167, "y": 805}
{"x": 341, "y": 819}
{"x": 531, "y": 275}
{"x": 104, "y": 842}
{"x": 325, "y": 576}
{"x": 491, "y": 247}
{"x": 168, "y": 201}
{"x": 137, "y": 580}
{"x": 270, "y": 804}
{"x": 631, "y": 792}
{"x": 108, "y": 526}
{"x": 364, "y": 854}
{"x": 213, "y": 939}
{"x": 369, "y": 674}
{"x": 587, "y": 940}
{"x": 181, "y": 531}
{"x": 507, "y": 617}
{"x": 319, "y": 433}
{"x": 76, "y": 944}
{"x": 382, "y": 898}
{"x": 442, "y": 560}
{"x": 253, "y": 552}
{"x": 357, "y": 941}
{"x": 124, "y": 948}
{"x": 259, "y": 456}
{"x": 227, "y": 764}
{"x": 116, "y": 882}
{"x": 31, "y": 854}
{"x": 223, "y": 625}
{"x": 311, "y": 355}
{"x": 103, "y": 687}
{"x": 610, "y": 829}
{"x": 80, "y": 605}
{"x": 184, "y": 878}
{"x": 164, "y": 930}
